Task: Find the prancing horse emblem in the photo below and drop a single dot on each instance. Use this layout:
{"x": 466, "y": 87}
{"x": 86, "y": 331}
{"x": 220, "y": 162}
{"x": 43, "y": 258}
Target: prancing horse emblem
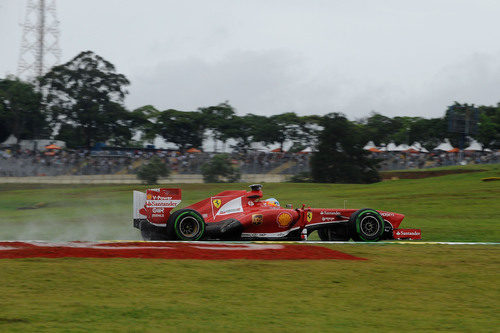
{"x": 217, "y": 203}
{"x": 309, "y": 216}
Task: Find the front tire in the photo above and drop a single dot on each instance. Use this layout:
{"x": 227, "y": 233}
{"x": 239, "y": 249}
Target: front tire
{"x": 186, "y": 224}
{"x": 366, "y": 225}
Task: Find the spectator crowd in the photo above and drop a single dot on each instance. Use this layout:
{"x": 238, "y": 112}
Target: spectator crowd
{"x": 20, "y": 163}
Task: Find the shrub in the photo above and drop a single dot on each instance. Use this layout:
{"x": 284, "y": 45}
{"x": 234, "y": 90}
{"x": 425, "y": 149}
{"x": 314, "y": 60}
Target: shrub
{"x": 220, "y": 170}
{"x": 302, "y": 177}
{"x": 152, "y": 170}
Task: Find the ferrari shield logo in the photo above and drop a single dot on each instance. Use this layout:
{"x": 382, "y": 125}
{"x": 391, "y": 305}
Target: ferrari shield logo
{"x": 309, "y": 216}
{"x": 217, "y": 203}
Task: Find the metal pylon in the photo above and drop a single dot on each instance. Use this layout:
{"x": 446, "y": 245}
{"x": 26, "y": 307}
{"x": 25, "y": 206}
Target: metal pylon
{"x": 40, "y": 42}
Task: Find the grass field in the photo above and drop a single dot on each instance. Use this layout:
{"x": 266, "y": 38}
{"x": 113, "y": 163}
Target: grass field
{"x": 457, "y": 207}
{"x": 400, "y": 287}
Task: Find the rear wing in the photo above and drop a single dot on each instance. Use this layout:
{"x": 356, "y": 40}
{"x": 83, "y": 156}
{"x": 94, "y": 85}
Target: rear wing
{"x": 155, "y": 205}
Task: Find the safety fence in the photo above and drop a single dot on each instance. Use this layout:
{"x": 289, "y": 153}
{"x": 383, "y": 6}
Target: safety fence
{"x": 132, "y": 179}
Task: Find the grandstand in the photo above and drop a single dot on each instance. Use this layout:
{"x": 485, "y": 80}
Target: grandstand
{"x": 120, "y": 161}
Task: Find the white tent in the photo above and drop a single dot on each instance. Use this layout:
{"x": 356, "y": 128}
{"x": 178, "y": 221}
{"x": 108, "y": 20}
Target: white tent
{"x": 306, "y": 150}
{"x": 11, "y": 140}
{"x": 474, "y": 146}
{"x": 390, "y": 147}
{"x": 444, "y": 146}
{"x": 402, "y": 147}
{"x": 369, "y": 145}
{"x": 258, "y": 146}
{"x": 417, "y": 146}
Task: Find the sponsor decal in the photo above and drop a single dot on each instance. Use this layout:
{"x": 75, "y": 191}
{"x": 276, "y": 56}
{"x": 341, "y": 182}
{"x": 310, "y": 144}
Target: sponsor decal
{"x": 250, "y": 203}
{"x": 157, "y": 210}
{"x": 158, "y": 204}
{"x": 329, "y": 213}
{"x": 284, "y": 219}
{"x": 230, "y": 207}
{"x": 257, "y": 219}
{"x": 204, "y": 216}
{"x": 407, "y": 233}
{"x": 309, "y": 216}
{"x": 158, "y": 197}
{"x": 328, "y": 219}
{"x": 217, "y": 203}
{"x": 387, "y": 214}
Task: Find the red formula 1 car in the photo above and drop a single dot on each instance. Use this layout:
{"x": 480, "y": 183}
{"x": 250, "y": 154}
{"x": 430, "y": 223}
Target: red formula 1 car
{"x": 243, "y": 215}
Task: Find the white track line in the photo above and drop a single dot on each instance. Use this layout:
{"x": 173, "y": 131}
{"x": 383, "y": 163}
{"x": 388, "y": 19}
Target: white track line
{"x": 207, "y": 243}
{"x": 406, "y": 242}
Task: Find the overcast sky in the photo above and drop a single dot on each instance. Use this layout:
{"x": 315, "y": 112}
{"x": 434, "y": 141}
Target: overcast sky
{"x": 267, "y": 57}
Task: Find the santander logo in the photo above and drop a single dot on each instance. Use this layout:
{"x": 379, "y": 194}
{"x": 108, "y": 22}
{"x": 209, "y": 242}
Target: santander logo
{"x": 408, "y": 233}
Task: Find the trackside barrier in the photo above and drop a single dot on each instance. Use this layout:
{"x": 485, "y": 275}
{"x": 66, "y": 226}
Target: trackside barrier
{"x": 132, "y": 179}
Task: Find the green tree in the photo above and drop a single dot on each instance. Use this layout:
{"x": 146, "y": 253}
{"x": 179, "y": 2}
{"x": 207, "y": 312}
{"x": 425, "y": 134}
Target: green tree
{"x": 378, "y": 127}
{"x": 20, "y": 111}
{"x": 220, "y": 119}
{"x": 152, "y": 170}
{"x": 278, "y": 128}
{"x": 183, "y": 128}
{"x": 263, "y": 129}
{"x": 242, "y": 131}
{"x": 144, "y": 121}
{"x": 87, "y": 94}
{"x": 288, "y": 127}
{"x": 340, "y": 157}
{"x": 429, "y": 132}
{"x": 72, "y": 135}
{"x": 220, "y": 169}
{"x": 488, "y": 131}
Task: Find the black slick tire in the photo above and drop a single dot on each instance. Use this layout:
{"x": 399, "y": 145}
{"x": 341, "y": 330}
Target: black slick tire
{"x": 186, "y": 224}
{"x": 366, "y": 225}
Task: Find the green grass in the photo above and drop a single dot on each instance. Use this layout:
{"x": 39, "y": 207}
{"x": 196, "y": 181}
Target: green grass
{"x": 457, "y": 207}
{"x": 400, "y": 288}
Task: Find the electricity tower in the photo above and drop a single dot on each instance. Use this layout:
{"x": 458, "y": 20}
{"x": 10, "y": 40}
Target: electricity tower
{"x": 40, "y": 42}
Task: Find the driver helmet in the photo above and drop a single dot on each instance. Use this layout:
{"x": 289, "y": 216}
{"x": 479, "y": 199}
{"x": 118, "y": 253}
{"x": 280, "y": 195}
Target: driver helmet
{"x": 272, "y": 202}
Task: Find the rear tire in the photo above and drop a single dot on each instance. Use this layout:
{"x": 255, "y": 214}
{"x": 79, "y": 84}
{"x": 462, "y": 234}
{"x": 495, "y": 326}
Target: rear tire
{"x": 186, "y": 224}
{"x": 366, "y": 225}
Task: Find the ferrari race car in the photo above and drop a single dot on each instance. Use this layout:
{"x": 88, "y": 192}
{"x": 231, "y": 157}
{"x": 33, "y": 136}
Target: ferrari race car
{"x": 243, "y": 215}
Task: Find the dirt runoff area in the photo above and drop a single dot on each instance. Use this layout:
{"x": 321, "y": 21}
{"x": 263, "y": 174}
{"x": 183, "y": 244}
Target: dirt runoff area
{"x": 168, "y": 250}
{"x": 417, "y": 174}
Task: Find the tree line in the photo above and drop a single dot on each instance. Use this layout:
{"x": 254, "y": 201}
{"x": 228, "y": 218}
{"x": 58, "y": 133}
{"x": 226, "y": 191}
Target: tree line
{"x": 82, "y": 103}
